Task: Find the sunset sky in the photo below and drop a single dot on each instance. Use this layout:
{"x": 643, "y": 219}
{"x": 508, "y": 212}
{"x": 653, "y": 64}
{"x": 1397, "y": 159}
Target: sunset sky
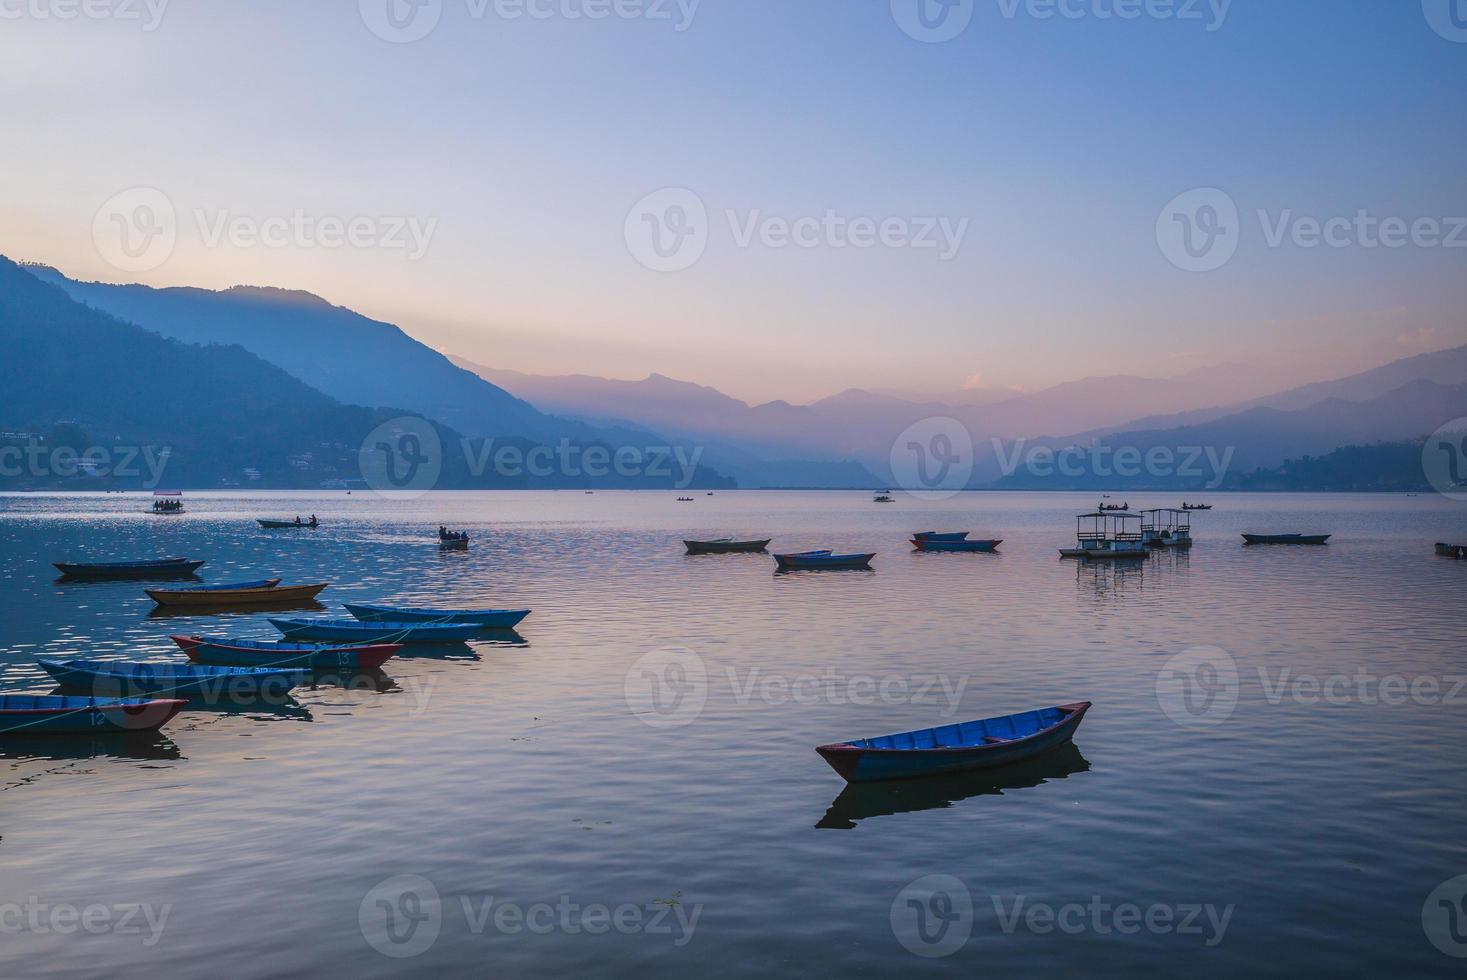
{"x": 519, "y": 146}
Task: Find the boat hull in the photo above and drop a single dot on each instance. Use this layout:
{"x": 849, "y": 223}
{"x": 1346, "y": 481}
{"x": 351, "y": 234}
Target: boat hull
{"x": 1286, "y": 538}
{"x": 726, "y": 547}
{"x": 351, "y": 631}
{"x": 236, "y": 597}
{"x": 823, "y": 563}
{"x": 32, "y": 714}
{"x": 459, "y": 545}
{"x": 1452, "y": 550}
{"x": 857, "y": 764}
{"x": 123, "y": 680}
{"x": 493, "y": 619}
{"x": 282, "y": 525}
{"x": 166, "y": 568}
{"x": 941, "y": 536}
{"x": 221, "y": 653}
{"x": 933, "y": 544}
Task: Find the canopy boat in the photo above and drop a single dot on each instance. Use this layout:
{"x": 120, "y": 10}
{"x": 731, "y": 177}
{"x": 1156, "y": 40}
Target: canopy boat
{"x": 725, "y": 546}
{"x": 153, "y": 568}
{"x": 265, "y": 592}
{"x": 494, "y": 619}
{"x": 112, "y": 678}
{"x": 1451, "y": 550}
{"x": 1187, "y": 506}
{"x": 1106, "y": 537}
{"x": 46, "y": 714}
{"x": 822, "y": 561}
{"x": 1286, "y": 538}
{"x": 953, "y": 748}
{"x": 353, "y": 631}
{"x": 167, "y": 502}
{"x": 1166, "y": 527}
{"x": 275, "y": 525}
{"x": 945, "y": 544}
{"x": 935, "y": 536}
{"x": 280, "y": 653}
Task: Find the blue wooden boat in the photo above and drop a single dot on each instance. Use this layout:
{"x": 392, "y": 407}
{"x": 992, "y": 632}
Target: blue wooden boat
{"x": 282, "y": 653}
{"x": 152, "y": 568}
{"x": 933, "y": 544}
{"x": 264, "y": 583}
{"x": 935, "y": 536}
{"x": 47, "y": 714}
{"x": 812, "y": 561}
{"x": 953, "y": 748}
{"x": 726, "y": 546}
{"x": 353, "y": 631}
{"x": 112, "y": 678}
{"x": 1286, "y": 538}
{"x": 494, "y": 619}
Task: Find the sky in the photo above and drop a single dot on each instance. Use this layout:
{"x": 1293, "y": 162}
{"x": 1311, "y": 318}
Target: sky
{"x": 779, "y": 198}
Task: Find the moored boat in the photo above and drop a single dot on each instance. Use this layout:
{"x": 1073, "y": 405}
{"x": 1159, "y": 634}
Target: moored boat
{"x": 1451, "y": 550}
{"x": 1286, "y": 538}
{"x": 49, "y": 714}
{"x": 1104, "y": 536}
{"x": 943, "y": 536}
{"x": 1166, "y": 527}
{"x": 150, "y": 568}
{"x": 935, "y": 544}
{"x": 498, "y": 619}
{"x": 354, "y": 631}
{"x": 952, "y": 748}
{"x": 725, "y": 546}
{"x": 812, "y": 561}
{"x": 279, "y": 525}
{"x": 1187, "y": 506}
{"x": 282, "y": 653}
{"x": 267, "y": 592}
{"x": 111, "y": 678}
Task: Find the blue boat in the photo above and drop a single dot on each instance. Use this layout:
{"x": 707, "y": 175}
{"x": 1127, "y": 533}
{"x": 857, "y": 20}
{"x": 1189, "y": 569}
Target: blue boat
{"x": 111, "y": 678}
{"x": 812, "y": 561}
{"x": 47, "y": 714}
{"x": 282, "y": 653}
{"x": 352, "y": 631}
{"x": 152, "y": 568}
{"x": 495, "y": 619}
{"x": 935, "y": 536}
{"x": 954, "y": 748}
{"x": 264, "y": 583}
{"x": 1285, "y": 538}
{"x": 934, "y": 544}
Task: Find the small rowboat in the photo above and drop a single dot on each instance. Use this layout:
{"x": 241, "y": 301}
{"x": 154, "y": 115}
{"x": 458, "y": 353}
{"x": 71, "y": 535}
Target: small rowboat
{"x": 279, "y": 525}
{"x": 111, "y": 678}
{"x": 812, "y": 561}
{"x": 453, "y": 544}
{"x": 1286, "y": 538}
{"x": 46, "y": 714}
{"x": 953, "y": 748}
{"x": 1451, "y": 550}
{"x": 154, "y": 568}
{"x": 352, "y": 631}
{"x": 279, "y": 653}
{"x": 935, "y": 536}
{"x": 493, "y": 619}
{"x": 725, "y": 546}
{"x": 268, "y": 592}
{"x": 933, "y": 544}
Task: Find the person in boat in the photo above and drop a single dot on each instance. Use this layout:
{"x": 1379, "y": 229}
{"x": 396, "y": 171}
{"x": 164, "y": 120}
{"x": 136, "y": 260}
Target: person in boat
{"x": 313, "y": 520}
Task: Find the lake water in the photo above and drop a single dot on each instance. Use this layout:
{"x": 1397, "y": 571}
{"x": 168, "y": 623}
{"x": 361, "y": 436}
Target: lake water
{"x": 545, "y": 805}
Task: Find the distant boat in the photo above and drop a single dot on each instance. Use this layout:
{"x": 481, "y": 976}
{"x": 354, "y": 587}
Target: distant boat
{"x": 1451, "y": 550}
{"x": 497, "y": 619}
{"x": 278, "y": 525}
{"x": 167, "y": 502}
{"x": 882, "y": 498}
{"x": 1108, "y": 507}
{"x": 111, "y": 678}
{"x": 813, "y": 561}
{"x": 947, "y": 544}
{"x": 354, "y": 631}
{"x": 264, "y": 593}
{"x": 1187, "y": 506}
{"x": 281, "y": 653}
{"x": 1286, "y": 538}
{"x": 935, "y": 536}
{"x": 685, "y": 500}
{"x": 953, "y": 748}
{"x": 151, "y": 568}
{"x": 453, "y": 544}
{"x": 725, "y": 546}
{"x": 45, "y": 714}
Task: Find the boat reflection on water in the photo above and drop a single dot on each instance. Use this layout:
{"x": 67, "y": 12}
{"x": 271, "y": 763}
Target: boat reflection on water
{"x": 221, "y": 701}
{"x": 374, "y": 680}
{"x": 140, "y": 746}
{"x": 862, "y": 801}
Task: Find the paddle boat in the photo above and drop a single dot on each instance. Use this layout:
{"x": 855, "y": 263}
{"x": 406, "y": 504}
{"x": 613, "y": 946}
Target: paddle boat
{"x": 278, "y": 525}
{"x": 952, "y": 748}
{"x": 1451, "y": 550}
{"x": 112, "y": 678}
{"x": 264, "y": 592}
{"x": 167, "y": 502}
{"x": 814, "y": 561}
{"x": 494, "y": 619}
{"x": 944, "y": 536}
{"x": 1166, "y": 527}
{"x": 725, "y": 546}
{"x": 353, "y": 631}
{"x": 946, "y": 544}
{"x": 281, "y": 653}
{"x": 1106, "y": 537}
{"x": 1285, "y": 538}
{"x": 49, "y": 714}
{"x": 153, "y": 568}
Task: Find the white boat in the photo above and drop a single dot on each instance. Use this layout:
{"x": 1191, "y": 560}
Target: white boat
{"x": 1106, "y": 537}
{"x": 1166, "y": 527}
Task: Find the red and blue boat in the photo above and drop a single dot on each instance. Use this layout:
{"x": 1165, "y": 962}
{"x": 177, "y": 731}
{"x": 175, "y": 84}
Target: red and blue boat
{"x": 353, "y": 631}
{"x": 954, "y": 748}
{"x": 49, "y": 714}
{"x": 282, "y": 653}
{"x": 112, "y": 678}
{"x": 818, "y": 561}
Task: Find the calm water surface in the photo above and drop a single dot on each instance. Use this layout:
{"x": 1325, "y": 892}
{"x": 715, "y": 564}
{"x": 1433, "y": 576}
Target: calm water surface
{"x": 537, "y": 770}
